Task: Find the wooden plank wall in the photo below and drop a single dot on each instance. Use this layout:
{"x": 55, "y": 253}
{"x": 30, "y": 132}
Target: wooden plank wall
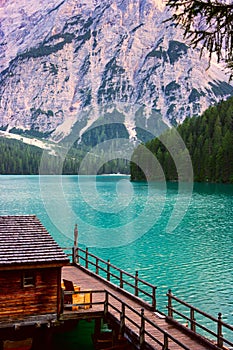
{"x": 17, "y": 301}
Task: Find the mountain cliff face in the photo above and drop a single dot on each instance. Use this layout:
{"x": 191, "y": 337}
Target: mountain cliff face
{"x": 66, "y": 65}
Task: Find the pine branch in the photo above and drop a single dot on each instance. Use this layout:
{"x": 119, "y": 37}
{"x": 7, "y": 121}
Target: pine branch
{"x": 209, "y": 23}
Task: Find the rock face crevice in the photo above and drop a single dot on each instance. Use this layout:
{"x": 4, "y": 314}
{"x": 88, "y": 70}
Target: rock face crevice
{"x": 65, "y": 64}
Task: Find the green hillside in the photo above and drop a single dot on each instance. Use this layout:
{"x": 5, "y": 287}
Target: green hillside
{"x": 209, "y": 140}
{"x": 18, "y": 158}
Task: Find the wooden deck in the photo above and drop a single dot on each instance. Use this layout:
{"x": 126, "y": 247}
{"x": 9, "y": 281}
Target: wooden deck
{"x": 132, "y": 309}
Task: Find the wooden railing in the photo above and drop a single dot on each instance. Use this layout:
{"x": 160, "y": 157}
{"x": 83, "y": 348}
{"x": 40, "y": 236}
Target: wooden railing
{"x": 192, "y": 313}
{"x": 69, "y": 252}
{"x": 139, "y": 322}
{"x": 85, "y": 304}
{"x": 127, "y": 317}
{"x": 183, "y": 313}
{"x": 116, "y": 275}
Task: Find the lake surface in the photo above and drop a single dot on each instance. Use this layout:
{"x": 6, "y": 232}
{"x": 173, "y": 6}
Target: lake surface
{"x": 128, "y": 223}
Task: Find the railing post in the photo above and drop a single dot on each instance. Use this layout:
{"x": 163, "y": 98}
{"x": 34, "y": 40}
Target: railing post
{"x": 122, "y": 324}
{"x": 165, "y": 341}
{"x": 136, "y": 283}
{"x": 74, "y": 255}
{"x": 106, "y": 303}
{"x": 220, "y": 341}
{"x": 74, "y": 258}
{"x": 121, "y": 279}
{"x": 192, "y": 320}
{"x": 62, "y": 301}
{"x": 77, "y": 255}
{"x": 97, "y": 266}
{"x": 108, "y": 270}
{"x": 86, "y": 265}
{"x": 154, "y": 298}
{"x": 170, "y": 312}
{"x": 142, "y": 330}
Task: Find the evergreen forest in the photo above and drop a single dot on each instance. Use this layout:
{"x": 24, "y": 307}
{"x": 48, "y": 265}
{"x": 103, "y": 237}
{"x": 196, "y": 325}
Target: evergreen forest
{"x": 18, "y": 158}
{"x": 209, "y": 141}
{"x": 208, "y": 138}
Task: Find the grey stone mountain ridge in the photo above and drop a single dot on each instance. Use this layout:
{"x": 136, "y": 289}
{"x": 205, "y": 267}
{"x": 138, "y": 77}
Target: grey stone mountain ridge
{"x": 67, "y": 65}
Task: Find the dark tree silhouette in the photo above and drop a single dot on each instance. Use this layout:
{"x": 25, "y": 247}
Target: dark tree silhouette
{"x": 209, "y": 23}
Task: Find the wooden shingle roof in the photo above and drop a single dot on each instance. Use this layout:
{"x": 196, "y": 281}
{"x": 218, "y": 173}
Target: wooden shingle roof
{"x": 24, "y": 240}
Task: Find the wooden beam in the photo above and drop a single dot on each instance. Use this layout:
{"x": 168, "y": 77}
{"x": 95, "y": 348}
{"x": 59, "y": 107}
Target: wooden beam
{"x": 31, "y": 266}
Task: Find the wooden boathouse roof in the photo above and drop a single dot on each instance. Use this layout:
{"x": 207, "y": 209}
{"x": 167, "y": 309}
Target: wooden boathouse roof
{"x": 25, "y": 241}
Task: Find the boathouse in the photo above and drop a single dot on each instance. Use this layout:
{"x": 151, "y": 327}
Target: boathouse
{"x": 111, "y": 308}
{"x": 30, "y": 277}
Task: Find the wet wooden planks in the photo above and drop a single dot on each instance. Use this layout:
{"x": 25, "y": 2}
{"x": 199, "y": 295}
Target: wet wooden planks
{"x": 91, "y": 282}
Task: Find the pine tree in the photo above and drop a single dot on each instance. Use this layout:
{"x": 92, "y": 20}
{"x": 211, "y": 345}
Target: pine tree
{"x": 209, "y": 140}
{"x": 208, "y": 23}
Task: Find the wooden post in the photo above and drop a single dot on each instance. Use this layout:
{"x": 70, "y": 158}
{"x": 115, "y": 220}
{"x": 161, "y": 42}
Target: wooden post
{"x": 77, "y": 255}
{"x": 220, "y": 341}
{"x": 59, "y": 293}
{"x": 165, "y": 341}
{"x": 136, "y": 284}
{"x": 154, "y": 298}
{"x": 142, "y": 330}
{"x": 74, "y": 252}
{"x": 192, "y": 318}
{"x": 114, "y": 337}
{"x": 170, "y": 312}
{"x": 62, "y": 301}
{"x": 97, "y": 328}
{"x": 121, "y": 279}
{"x": 86, "y": 265}
{"x": 108, "y": 270}
{"x": 97, "y": 266}
{"x": 73, "y": 255}
{"x": 122, "y": 324}
{"x": 106, "y": 303}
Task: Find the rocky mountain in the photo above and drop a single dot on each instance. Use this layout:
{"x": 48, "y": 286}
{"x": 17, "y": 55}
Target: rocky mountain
{"x": 67, "y": 65}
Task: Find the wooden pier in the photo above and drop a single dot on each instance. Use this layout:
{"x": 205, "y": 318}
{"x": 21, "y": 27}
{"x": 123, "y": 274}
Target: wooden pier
{"x": 43, "y": 294}
{"x": 136, "y": 319}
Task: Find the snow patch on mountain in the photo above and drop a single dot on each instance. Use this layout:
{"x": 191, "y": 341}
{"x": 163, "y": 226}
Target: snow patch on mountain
{"x": 65, "y": 64}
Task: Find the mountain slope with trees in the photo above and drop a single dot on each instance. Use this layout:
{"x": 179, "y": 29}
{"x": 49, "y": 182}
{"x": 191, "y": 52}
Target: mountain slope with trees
{"x": 69, "y": 64}
{"x": 209, "y": 140}
{"x": 18, "y": 158}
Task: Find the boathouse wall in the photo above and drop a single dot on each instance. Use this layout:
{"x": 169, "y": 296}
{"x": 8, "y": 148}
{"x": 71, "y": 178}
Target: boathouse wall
{"x": 28, "y": 292}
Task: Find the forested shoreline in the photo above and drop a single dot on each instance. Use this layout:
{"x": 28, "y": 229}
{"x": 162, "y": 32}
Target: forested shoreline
{"x": 208, "y": 138}
{"x": 209, "y": 141}
{"x": 18, "y": 158}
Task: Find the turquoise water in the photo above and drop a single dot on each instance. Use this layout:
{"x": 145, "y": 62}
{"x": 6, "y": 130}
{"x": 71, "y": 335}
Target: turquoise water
{"x": 78, "y": 337}
{"x": 128, "y": 224}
